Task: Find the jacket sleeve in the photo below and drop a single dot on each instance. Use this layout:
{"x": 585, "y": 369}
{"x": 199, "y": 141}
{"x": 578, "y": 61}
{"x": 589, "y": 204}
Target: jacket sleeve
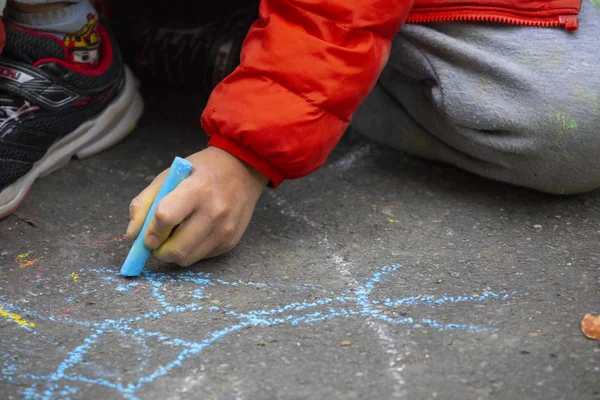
{"x": 305, "y": 68}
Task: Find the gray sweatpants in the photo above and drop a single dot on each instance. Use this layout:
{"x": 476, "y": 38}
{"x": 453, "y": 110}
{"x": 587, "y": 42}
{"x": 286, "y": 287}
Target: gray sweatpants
{"x": 515, "y": 104}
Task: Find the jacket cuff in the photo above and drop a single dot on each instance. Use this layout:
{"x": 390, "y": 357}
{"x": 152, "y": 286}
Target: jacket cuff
{"x": 245, "y": 154}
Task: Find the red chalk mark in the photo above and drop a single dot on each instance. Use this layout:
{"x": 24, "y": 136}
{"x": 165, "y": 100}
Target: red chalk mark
{"x": 95, "y": 242}
{"x": 24, "y": 260}
{"x": 120, "y": 239}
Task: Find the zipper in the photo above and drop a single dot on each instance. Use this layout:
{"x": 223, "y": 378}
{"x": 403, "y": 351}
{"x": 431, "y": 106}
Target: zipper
{"x": 569, "y": 22}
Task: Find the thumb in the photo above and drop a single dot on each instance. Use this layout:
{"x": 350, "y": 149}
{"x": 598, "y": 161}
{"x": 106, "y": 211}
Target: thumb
{"x": 140, "y": 205}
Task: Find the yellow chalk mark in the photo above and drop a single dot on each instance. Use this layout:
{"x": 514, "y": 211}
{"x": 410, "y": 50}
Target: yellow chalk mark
{"x": 120, "y": 239}
{"x": 395, "y": 221}
{"x": 25, "y": 261}
{"x": 15, "y": 317}
{"x": 74, "y": 276}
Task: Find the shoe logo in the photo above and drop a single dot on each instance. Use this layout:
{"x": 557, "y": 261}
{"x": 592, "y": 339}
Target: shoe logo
{"x": 83, "y": 45}
{"x": 35, "y": 87}
{"x": 14, "y": 75}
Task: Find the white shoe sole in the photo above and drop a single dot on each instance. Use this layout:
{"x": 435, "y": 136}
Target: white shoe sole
{"x": 93, "y": 136}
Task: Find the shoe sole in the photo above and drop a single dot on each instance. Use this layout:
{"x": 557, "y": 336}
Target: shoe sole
{"x": 90, "y": 138}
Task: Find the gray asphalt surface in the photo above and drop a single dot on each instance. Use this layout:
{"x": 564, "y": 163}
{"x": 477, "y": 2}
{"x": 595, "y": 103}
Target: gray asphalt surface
{"x": 380, "y": 276}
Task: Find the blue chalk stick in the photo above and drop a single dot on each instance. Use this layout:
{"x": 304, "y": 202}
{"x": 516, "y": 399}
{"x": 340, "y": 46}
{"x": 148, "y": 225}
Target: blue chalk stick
{"x": 139, "y": 253}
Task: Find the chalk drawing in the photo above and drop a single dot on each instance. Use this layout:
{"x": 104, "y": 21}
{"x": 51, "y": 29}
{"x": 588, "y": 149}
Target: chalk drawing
{"x": 24, "y": 260}
{"x": 341, "y": 266}
{"x": 360, "y": 302}
{"x": 120, "y": 238}
{"x": 396, "y": 364}
{"x": 286, "y": 209}
{"x": 16, "y": 318}
{"x": 352, "y": 158}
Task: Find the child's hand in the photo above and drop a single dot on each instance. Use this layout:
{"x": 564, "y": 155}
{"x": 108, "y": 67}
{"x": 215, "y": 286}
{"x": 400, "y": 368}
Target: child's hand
{"x": 211, "y": 209}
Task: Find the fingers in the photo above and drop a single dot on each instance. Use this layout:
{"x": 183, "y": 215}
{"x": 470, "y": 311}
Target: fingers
{"x": 198, "y": 238}
{"x": 172, "y": 210}
{"x": 211, "y": 209}
{"x": 140, "y": 205}
{"x": 185, "y": 240}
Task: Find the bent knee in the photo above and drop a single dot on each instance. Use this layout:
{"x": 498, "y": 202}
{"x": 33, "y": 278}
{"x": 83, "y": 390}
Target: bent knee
{"x": 555, "y": 153}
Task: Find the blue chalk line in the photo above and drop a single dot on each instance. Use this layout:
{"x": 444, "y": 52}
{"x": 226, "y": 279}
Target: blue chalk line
{"x": 139, "y": 253}
{"x": 360, "y": 303}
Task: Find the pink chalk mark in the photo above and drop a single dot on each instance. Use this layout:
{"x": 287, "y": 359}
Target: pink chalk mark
{"x": 120, "y": 239}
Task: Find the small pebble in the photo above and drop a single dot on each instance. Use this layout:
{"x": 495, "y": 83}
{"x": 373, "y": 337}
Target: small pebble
{"x": 345, "y": 343}
{"x": 537, "y": 226}
{"x": 4, "y": 253}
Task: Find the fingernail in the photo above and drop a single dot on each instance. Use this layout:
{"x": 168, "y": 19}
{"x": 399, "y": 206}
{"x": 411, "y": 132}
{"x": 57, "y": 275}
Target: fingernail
{"x": 152, "y": 241}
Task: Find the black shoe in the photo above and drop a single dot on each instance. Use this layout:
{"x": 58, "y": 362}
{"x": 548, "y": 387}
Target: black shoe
{"x": 171, "y": 47}
{"x": 52, "y": 108}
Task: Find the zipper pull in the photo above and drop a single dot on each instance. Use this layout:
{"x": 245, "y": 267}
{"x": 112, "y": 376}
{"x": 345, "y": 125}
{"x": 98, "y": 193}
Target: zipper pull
{"x": 570, "y": 22}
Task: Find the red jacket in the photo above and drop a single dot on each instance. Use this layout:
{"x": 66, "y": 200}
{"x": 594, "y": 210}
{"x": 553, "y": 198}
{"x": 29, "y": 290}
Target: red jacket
{"x": 307, "y": 65}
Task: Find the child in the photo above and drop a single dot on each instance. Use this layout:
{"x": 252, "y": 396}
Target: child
{"x": 512, "y": 94}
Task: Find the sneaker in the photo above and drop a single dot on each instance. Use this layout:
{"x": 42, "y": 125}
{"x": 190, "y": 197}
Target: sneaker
{"x": 170, "y": 47}
{"x": 53, "y": 109}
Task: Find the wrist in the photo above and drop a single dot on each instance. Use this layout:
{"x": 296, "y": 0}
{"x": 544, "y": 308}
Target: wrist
{"x": 257, "y": 178}
{"x": 248, "y": 155}
{"x": 260, "y": 178}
